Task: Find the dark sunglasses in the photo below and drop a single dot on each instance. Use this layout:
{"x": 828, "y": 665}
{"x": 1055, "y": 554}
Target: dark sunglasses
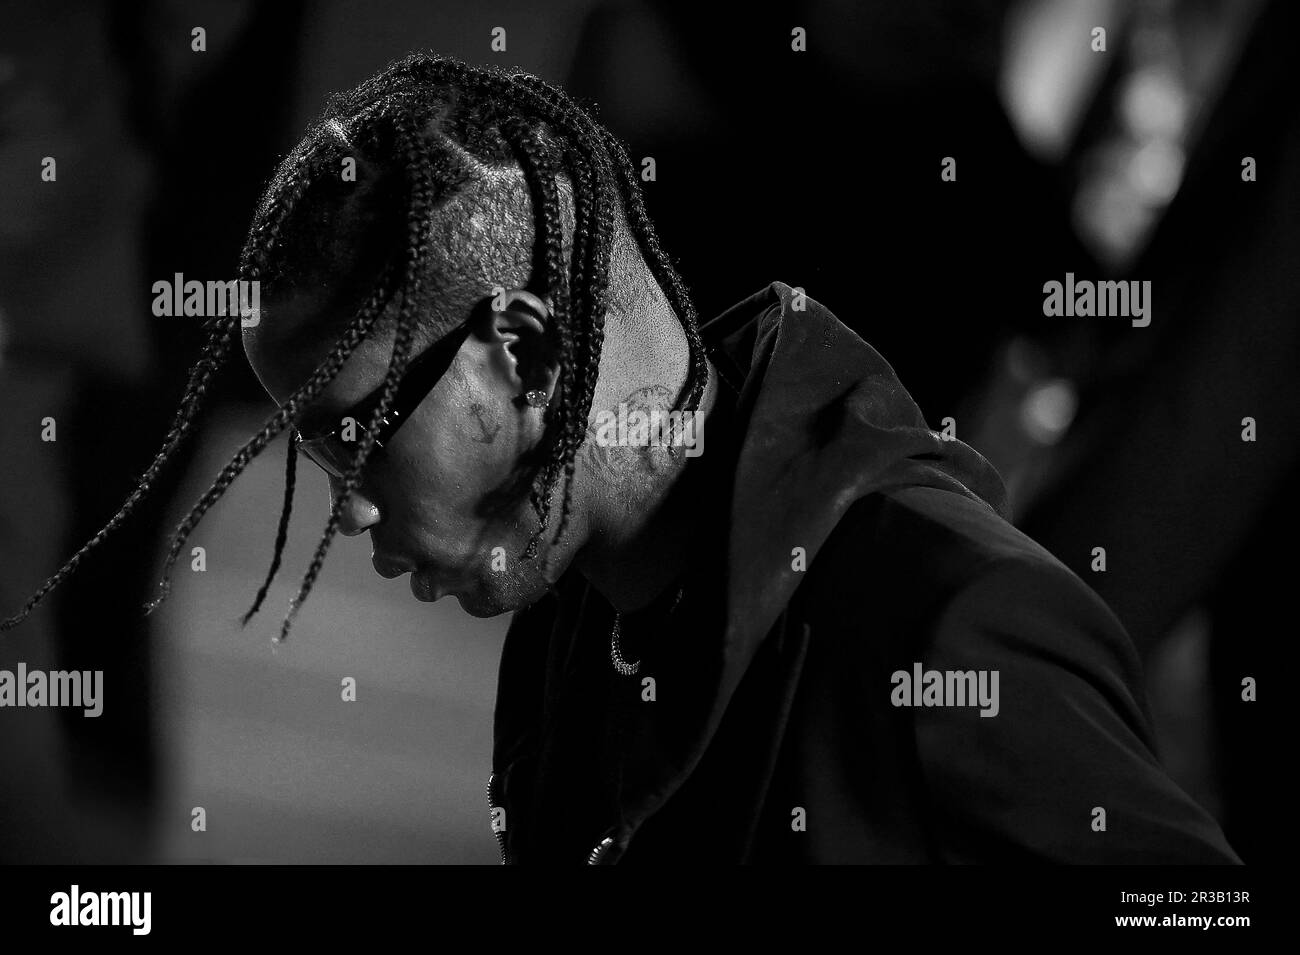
{"x": 333, "y": 455}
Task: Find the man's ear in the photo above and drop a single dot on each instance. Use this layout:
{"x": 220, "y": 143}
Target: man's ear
{"x": 514, "y": 322}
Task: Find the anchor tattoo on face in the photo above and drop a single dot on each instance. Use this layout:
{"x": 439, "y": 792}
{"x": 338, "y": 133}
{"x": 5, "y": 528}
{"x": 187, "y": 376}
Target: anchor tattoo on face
{"x": 488, "y": 436}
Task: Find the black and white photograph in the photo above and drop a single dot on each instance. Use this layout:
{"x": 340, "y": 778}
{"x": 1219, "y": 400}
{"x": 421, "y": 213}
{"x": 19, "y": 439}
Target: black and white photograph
{"x": 635, "y": 432}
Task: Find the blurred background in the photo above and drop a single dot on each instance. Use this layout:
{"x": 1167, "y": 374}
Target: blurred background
{"x": 818, "y": 168}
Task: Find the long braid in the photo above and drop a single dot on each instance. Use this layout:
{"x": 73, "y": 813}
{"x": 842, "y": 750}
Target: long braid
{"x": 589, "y": 289}
{"x": 550, "y": 243}
{"x": 419, "y": 227}
{"x": 662, "y": 268}
{"x": 396, "y": 366}
{"x": 284, "y": 415}
{"x": 262, "y": 239}
{"x": 592, "y": 332}
{"x": 591, "y": 284}
{"x": 282, "y": 529}
{"x": 221, "y": 332}
{"x": 643, "y": 229}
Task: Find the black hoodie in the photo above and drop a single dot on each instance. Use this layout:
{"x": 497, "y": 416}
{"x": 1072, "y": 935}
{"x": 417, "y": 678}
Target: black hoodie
{"x": 773, "y": 719}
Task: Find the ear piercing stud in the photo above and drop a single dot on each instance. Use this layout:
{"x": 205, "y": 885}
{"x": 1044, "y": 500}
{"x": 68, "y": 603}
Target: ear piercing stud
{"x": 536, "y": 398}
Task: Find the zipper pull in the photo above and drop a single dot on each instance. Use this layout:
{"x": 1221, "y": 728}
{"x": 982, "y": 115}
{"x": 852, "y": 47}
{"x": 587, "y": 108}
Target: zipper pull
{"x": 500, "y": 833}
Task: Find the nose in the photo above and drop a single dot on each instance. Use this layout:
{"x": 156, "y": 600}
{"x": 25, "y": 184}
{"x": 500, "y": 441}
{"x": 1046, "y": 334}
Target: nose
{"x": 360, "y": 512}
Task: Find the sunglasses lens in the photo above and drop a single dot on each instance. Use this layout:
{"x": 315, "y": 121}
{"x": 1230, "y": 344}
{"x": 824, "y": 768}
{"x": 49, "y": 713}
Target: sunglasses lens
{"x": 322, "y": 453}
{"x": 334, "y": 456}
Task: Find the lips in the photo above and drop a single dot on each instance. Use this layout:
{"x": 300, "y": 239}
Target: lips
{"x": 426, "y": 586}
{"x": 390, "y": 567}
{"x": 427, "y": 580}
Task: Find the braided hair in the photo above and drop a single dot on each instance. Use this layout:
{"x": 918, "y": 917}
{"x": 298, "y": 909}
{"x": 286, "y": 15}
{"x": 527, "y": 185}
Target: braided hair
{"x": 438, "y": 124}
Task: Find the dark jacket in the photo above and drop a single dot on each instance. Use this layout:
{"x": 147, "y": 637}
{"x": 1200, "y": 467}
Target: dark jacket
{"x": 769, "y": 730}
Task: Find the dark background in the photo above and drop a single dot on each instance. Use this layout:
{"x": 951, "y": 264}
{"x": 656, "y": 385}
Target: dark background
{"x": 820, "y": 169}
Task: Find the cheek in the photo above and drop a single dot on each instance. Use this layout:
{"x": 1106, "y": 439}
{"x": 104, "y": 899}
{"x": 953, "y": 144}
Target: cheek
{"x": 461, "y": 443}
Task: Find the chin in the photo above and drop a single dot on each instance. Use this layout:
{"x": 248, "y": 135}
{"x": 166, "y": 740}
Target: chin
{"x": 478, "y": 603}
{"x": 494, "y": 597}
{"x": 475, "y": 606}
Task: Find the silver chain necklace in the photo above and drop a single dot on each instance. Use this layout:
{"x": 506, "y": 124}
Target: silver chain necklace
{"x": 621, "y": 666}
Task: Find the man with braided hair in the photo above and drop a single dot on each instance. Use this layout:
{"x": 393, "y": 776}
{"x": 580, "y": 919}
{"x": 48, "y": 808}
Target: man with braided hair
{"x": 708, "y": 639}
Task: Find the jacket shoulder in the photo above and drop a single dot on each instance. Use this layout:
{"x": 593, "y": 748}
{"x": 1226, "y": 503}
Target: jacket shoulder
{"x": 946, "y": 582}
{"x": 976, "y": 533}
{"x": 923, "y": 546}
